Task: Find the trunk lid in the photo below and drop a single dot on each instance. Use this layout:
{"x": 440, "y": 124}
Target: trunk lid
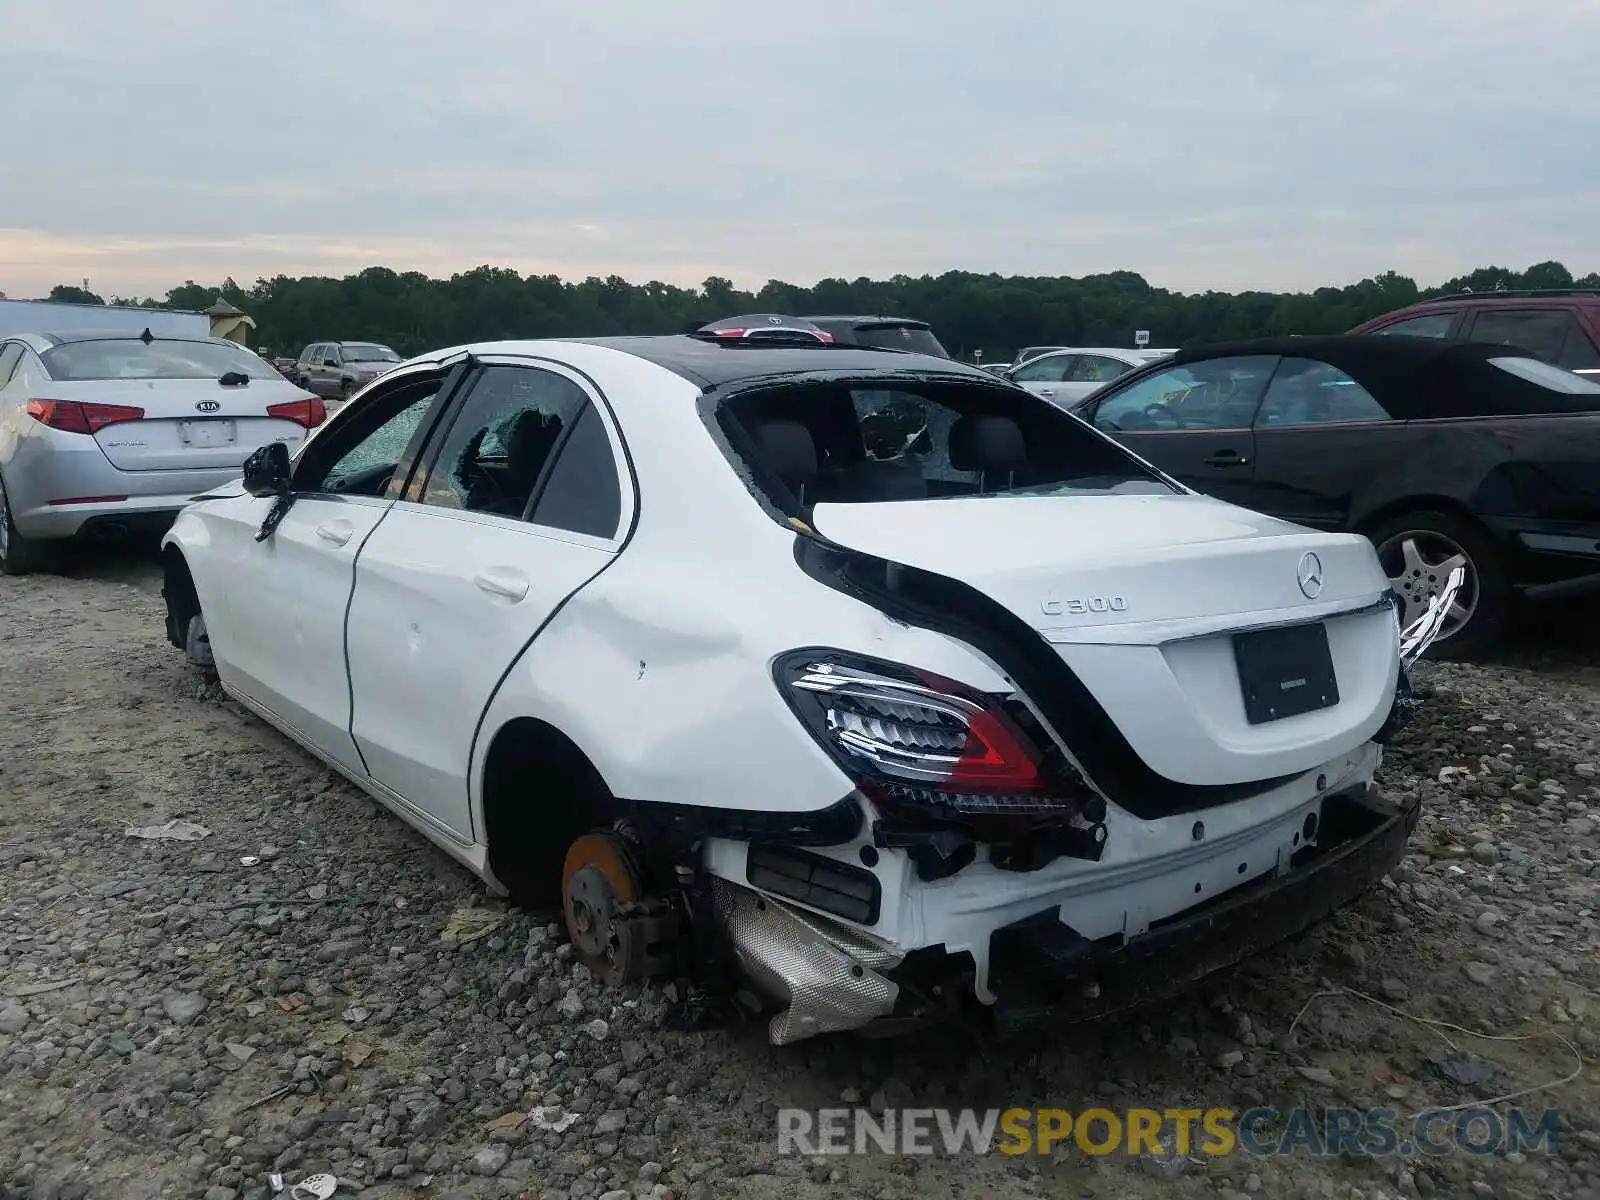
{"x": 1103, "y": 568}
{"x": 188, "y": 424}
{"x": 1143, "y": 596}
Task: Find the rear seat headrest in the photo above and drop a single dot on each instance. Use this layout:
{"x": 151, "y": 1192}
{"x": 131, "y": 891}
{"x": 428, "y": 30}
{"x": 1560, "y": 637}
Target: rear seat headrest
{"x": 789, "y": 449}
{"x": 985, "y": 442}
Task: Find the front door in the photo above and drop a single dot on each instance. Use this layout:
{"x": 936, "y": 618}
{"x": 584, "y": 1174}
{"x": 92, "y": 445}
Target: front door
{"x": 282, "y": 632}
{"x": 521, "y": 506}
{"x": 1193, "y": 421}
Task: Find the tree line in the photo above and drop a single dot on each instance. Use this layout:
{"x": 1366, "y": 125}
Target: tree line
{"x": 989, "y": 314}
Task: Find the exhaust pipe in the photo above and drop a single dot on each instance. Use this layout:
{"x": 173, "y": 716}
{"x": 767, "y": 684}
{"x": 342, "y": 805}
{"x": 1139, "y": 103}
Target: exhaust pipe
{"x": 111, "y": 531}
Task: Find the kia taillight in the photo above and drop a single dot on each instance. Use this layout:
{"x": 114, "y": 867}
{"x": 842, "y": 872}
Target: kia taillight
{"x": 80, "y": 416}
{"x": 309, "y": 412}
{"x": 913, "y": 738}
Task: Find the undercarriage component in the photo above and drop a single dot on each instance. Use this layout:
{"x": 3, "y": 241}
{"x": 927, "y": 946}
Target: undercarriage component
{"x": 827, "y": 977}
{"x": 619, "y": 933}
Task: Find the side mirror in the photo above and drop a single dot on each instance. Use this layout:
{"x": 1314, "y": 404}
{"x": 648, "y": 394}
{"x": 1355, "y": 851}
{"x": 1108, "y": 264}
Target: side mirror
{"x": 266, "y": 471}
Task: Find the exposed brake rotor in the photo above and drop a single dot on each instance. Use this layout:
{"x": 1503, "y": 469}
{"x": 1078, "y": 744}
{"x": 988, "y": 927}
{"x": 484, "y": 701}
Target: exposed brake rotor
{"x": 616, "y": 930}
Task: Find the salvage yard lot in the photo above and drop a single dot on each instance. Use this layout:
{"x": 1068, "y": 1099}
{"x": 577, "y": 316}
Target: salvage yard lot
{"x": 181, "y": 1018}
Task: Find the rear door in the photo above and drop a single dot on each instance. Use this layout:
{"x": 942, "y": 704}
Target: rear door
{"x": 1090, "y": 373}
{"x": 524, "y": 501}
{"x": 1322, "y": 442}
{"x": 1046, "y": 376}
{"x": 1193, "y": 420}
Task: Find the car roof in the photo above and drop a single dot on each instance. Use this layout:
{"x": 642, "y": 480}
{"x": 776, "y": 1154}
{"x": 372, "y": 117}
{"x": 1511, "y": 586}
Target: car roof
{"x": 713, "y": 364}
{"x": 1413, "y": 378}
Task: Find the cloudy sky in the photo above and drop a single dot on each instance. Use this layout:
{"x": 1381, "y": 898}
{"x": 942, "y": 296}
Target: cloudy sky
{"x": 1224, "y": 144}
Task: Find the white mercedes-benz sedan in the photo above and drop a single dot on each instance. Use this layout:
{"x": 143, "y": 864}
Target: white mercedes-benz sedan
{"x": 858, "y": 678}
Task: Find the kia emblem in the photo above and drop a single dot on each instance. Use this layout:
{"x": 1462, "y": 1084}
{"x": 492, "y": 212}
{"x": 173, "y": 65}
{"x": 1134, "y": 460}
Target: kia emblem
{"x": 208, "y": 405}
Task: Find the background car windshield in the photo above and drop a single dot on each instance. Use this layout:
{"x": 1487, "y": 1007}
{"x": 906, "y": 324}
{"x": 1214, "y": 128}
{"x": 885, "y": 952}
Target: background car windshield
{"x": 132, "y": 358}
{"x": 863, "y": 443}
{"x": 902, "y": 337}
{"x": 356, "y": 352}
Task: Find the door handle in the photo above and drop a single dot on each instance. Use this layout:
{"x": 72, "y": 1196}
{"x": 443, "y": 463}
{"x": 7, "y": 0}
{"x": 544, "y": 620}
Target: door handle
{"x": 1226, "y": 458}
{"x": 502, "y": 581}
{"x": 338, "y": 532}
{"x": 1047, "y": 392}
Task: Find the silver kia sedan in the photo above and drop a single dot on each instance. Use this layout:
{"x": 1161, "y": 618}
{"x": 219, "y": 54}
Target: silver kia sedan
{"x": 111, "y": 434}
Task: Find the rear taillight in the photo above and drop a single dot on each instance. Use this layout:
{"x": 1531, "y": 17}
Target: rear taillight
{"x": 80, "y": 416}
{"x": 309, "y": 412}
{"x": 912, "y": 738}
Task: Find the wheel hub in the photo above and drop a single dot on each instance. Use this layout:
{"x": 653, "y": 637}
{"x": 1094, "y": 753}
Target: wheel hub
{"x": 617, "y": 932}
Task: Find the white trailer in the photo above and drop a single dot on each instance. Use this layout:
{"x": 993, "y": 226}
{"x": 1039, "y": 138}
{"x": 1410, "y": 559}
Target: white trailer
{"x": 49, "y": 316}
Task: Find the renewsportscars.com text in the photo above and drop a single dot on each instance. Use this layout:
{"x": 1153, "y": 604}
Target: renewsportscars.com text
{"x": 1210, "y": 1132}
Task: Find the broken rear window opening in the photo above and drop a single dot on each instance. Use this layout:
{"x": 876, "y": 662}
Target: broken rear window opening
{"x": 869, "y": 441}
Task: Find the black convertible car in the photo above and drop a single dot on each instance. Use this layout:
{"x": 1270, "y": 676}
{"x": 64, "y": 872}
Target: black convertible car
{"x": 1462, "y": 454}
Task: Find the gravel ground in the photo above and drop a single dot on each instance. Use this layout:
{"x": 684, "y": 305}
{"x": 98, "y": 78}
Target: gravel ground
{"x": 287, "y": 995}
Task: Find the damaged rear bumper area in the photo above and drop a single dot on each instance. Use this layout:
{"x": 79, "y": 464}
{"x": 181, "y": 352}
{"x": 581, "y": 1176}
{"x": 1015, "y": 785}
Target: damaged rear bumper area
{"x": 828, "y": 976}
{"x": 1041, "y": 970}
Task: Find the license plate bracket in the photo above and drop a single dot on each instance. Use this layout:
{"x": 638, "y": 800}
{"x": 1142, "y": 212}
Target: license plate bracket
{"x": 217, "y": 431}
{"x": 1285, "y": 672}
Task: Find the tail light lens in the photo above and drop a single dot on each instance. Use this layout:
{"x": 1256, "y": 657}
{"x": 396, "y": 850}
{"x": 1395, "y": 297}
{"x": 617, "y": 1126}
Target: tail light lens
{"x": 309, "y": 412}
{"x": 79, "y": 416}
{"x": 913, "y": 738}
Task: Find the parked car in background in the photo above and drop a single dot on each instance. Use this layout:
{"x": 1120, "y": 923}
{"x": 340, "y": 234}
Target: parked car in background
{"x": 335, "y": 369}
{"x": 886, "y": 333}
{"x": 1559, "y": 326}
{"x": 856, "y": 673}
{"x": 1068, "y": 375}
{"x": 1444, "y": 454}
{"x": 112, "y": 434}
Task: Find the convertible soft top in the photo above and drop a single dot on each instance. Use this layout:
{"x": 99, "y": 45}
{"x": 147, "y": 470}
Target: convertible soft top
{"x": 1413, "y": 378}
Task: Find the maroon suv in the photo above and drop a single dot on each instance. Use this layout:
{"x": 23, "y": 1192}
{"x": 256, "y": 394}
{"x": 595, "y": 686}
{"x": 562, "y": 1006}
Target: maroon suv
{"x": 1559, "y": 326}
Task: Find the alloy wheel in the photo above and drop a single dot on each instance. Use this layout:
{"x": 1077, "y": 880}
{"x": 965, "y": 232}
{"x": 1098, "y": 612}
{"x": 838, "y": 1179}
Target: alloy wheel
{"x": 1418, "y": 563}
{"x": 5, "y": 524}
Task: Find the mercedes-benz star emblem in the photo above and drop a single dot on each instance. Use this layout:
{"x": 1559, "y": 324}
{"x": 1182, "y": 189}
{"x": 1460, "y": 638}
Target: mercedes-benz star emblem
{"x": 1310, "y": 575}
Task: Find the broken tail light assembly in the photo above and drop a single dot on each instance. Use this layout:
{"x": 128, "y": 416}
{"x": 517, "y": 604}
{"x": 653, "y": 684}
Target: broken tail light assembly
{"x": 946, "y": 767}
{"x": 80, "y": 416}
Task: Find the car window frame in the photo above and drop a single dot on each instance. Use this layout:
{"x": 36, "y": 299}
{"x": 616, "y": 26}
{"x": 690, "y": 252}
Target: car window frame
{"x": 1069, "y": 356}
{"x": 1255, "y": 421}
{"x": 1124, "y": 368}
{"x": 7, "y": 375}
{"x": 1453, "y": 332}
{"x": 450, "y": 372}
{"x": 1574, "y": 326}
{"x": 622, "y": 461}
{"x": 1090, "y": 410}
